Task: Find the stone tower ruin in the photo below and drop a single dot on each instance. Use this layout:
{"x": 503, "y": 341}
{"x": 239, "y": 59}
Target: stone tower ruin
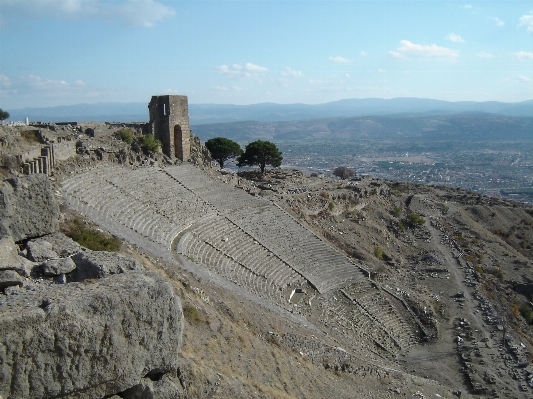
{"x": 169, "y": 119}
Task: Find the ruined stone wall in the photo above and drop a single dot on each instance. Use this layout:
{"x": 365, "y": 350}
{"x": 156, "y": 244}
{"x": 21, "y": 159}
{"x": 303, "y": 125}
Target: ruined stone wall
{"x": 42, "y": 160}
{"x": 169, "y": 120}
{"x": 64, "y": 150}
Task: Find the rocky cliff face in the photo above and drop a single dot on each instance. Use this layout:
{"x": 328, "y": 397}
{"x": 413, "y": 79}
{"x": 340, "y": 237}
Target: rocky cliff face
{"x": 77, "y": 323}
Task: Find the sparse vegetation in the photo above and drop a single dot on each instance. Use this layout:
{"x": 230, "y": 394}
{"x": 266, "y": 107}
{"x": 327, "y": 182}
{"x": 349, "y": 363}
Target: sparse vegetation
{"x": 526, "y": 313}
{"x": 126, "y": 135}
{"x": 31, "y": 136}
{"x": 378, "y": 253}
{"x": 331, "y": 206}
{"x": 401, "y": 225}
{"x": 149, "y": 143}
{"x": 193, "y": 315}
{"x": 415, "y": 220}
{"x": 88, "y": 237}
{"x": 343, "y": 172}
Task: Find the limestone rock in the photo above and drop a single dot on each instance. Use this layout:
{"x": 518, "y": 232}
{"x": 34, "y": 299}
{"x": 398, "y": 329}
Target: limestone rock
{"x": 56, "y": 267}
{"x": 10, "y": 260}
{"x": 9, "y": 278}
{"x": 61, "y": 244}
{"x": 166, "y": 387}
{"x": 28, "y": 207}
{"x": 96, "y": 264}
{"x": 88, "y": 340}
{"x": 39, "y": 251}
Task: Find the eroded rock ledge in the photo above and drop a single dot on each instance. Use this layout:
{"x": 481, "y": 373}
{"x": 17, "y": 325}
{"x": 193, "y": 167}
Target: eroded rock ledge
{"x": 76, "y": 323}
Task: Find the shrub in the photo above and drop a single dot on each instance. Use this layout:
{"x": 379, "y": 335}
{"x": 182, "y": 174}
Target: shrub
{"x": 526, "y": 313}
{"x": 415, "y": 219}
{"x": 331, "y": 206}
{"x": 397, "y": 211}
{"x": 324, "y": 194}
{"x": 149, "y": 143}
{"x": 401, "y": 225}
{"x": 90, "y": 238}
{"x": 192, "y": 314}
{"x": 378, "y": 252}
{"x": 126, "y": 135}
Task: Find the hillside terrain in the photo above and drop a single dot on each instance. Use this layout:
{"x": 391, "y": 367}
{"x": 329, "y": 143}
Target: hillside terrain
{"x": 390, "y": 127}
{"x": 382, "y": 289}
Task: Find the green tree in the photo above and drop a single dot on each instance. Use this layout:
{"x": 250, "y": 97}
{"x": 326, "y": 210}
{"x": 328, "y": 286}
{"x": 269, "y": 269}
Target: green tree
{"x": 222, "y": 149}
{"x": 343, "y": 172}
{"x": 3, "y": 115}
{"x": 260, "y": 153}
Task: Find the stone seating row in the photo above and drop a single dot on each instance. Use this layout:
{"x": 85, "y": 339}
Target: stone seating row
{"x": 225, "y": 198}
{"x": 305, "y": 252}
{"x": 356, "y": 324}
{"x": 238, "y": 246}
{"x": 215, "y": 260}
{"x": 273, "y": 228}
{"x": 387, "y": 315}
{"x": 233, "y": 242}
{"x": 136, "y": 209}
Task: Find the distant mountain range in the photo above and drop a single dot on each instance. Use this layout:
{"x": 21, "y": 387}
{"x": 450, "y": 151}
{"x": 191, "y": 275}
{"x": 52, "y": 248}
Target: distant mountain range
{"x": 466, "y": 126}
{"x": 269, "y": 112}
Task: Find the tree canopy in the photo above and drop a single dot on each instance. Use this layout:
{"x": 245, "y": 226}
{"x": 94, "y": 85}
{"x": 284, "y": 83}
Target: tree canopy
{"x": 343, "y": 172}
{"x": 3, "y": 114}
{"x": 260, "y": 153}
{"x": 222, "y": 149}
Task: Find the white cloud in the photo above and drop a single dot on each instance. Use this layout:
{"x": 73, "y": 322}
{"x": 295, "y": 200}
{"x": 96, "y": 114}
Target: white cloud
{"x": 223, "y": 89}
{"x": 526, "y": 20}
{"x": 483, "y": 54}
{"x": 498, "y": 21}
{"x": 256, "y": 68}
{"x": 523, "y": 55}
{"x": 36, "y": 83}
{"x": 381, "y": 70}
{"x": 363, "y": 53}
{"x": 411, "y": 50}
{"x": 467, "y": 6}
{"x": 347, "y": 75}
{"x": 524, "y": 79}
{"x": 291, "y": 72}
{"x": 455, "y": 38}
{"x": 249, "y": 70}
{"x": 4, "y": 81}
{"x": 143, "y": 13}
{"x": 35, "y": 86}
{"x": 340, "y": 60}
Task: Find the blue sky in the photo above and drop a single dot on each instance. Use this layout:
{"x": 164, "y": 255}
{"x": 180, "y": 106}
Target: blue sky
{"x": 61, "y": 52}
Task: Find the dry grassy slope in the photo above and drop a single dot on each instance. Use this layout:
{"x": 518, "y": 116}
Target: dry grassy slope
{"x": 491, "y": 239}
{"x": 228, "y": 351}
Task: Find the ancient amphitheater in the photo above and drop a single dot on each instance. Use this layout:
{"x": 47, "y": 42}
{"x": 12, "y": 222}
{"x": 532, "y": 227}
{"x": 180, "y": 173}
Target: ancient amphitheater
{"x": 182, "y": 213}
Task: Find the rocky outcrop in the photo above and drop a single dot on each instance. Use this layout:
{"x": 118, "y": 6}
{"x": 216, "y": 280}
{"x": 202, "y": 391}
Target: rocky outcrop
{"x": 89, "y": 340}
{"x": 73, "y": 322}
{"x": 28, "y": 207}
{"x": 95, "y": 264}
